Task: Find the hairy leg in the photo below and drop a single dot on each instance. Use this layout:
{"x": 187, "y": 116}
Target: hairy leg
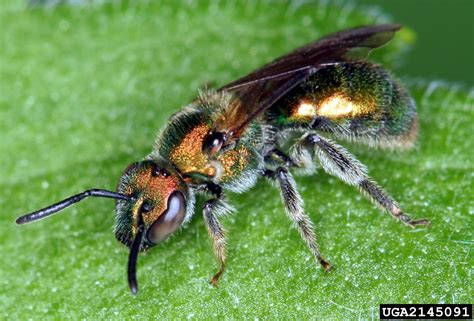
{"x": 294, "y": 208}
{"x": 338, "y": 162}
{"x": 212, "y": 210}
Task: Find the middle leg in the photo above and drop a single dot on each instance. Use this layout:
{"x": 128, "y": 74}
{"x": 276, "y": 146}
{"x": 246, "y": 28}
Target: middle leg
{"x": 294, "y": 208}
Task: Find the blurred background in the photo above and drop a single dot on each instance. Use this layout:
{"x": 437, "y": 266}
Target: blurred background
{"x": 445, "y": 37}
{"x": 444, "y": 48}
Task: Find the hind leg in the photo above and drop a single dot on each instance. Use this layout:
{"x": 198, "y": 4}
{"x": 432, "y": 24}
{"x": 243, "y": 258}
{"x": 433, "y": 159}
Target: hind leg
{"x": 337, "y": 161}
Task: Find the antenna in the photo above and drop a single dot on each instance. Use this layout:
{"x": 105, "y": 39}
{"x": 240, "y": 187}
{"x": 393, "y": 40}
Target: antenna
{"x": 47, "y": 211}
{"x": 132, "y": 258}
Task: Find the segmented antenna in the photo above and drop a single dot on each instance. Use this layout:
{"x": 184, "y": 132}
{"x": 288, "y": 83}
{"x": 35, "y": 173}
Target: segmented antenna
{"x": 47, "y": 211}
{"x": 132, "y": 258}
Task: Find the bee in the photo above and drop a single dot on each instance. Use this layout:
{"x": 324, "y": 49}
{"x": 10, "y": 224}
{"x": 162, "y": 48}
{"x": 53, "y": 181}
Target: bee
{"x": 285, "y": 116}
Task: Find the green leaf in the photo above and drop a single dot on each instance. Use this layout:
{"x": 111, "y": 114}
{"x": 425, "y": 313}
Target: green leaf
{"x": 84, "y": 89}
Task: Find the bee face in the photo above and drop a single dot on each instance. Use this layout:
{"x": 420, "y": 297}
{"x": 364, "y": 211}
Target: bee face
{"x": 159, "y": 203}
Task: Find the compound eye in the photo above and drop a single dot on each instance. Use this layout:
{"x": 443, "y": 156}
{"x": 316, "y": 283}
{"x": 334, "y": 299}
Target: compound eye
{"x": 170, "y": 220}
{"x": 213, "y": 143}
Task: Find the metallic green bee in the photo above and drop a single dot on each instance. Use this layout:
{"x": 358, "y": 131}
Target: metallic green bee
{"x": 227, "y": 139}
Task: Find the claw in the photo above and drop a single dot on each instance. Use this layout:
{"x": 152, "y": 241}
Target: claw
{"x": 215, "y": 279}
{"x": 325, "y": 264}
{"x": 421, "y": 222}
{"x": 407, "y": 220}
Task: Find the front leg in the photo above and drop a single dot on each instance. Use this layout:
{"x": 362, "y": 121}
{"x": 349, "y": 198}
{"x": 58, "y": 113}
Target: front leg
{"x": 212, "y": 209}
{"x": 294, "y": 208}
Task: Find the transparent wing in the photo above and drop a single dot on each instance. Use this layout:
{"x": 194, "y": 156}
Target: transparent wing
{"x": 259, "y": 90}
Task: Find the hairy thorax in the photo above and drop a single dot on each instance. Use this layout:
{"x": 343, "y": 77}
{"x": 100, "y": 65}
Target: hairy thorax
{"x": 181, "y": 143}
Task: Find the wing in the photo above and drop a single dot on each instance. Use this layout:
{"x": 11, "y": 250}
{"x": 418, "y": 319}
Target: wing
{"x": 260, "y": 89}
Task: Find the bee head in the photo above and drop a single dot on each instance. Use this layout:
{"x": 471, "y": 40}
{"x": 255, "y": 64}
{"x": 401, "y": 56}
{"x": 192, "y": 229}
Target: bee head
{"x": 158, "y": 207}
{"x": 151, "y": 204}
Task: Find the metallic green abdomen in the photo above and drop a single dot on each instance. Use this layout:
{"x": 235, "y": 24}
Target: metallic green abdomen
{"x": 351, "y": 100}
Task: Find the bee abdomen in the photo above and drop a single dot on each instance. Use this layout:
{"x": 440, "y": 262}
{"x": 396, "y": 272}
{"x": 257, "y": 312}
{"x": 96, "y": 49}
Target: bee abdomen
{"x": 356, "y": 101}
